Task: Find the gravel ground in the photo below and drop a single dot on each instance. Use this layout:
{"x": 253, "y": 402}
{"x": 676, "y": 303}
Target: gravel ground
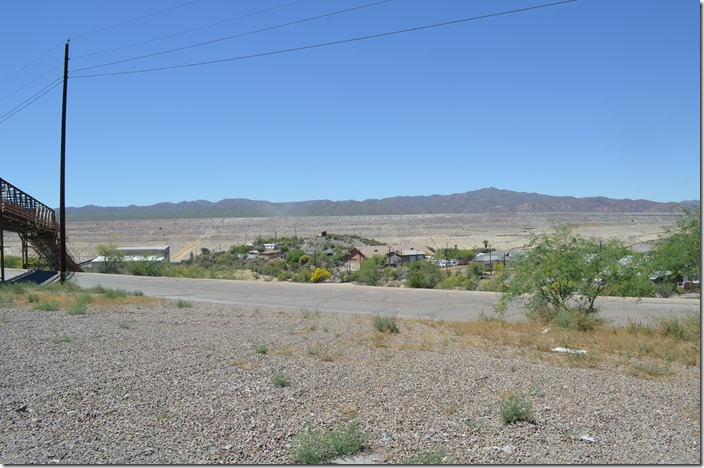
{"x": 158, "y": 384}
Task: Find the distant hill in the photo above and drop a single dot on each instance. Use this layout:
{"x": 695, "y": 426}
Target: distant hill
{"x": 488, "y": 200}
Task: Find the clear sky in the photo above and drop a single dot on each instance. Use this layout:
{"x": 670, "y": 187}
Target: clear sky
{"x": 586, "y": 98}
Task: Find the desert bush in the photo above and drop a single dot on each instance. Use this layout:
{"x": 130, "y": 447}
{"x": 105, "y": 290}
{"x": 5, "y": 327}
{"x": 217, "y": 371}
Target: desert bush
{"x": 112, "y": 258}
{"x": 664, "y": 290}
{"x": 371, "y": 271}
{"x": 385, "y": 324}
{"x": 112, "y": 293}
{"x": 686, "y": 329}
{"x": 280, "y": 380}
{"x": 429, "y": 457}
{"x": 183, "y": 304}
{"x": 145, "y": 268}
{"x": 294, "y": 256}
{"x": 49, "y": 305}
{"x": 301, "y": 276}
{"x": 316, "y": 447}
{"x": 304, "y": 260}
{"x": 80, "y": 307}
{"x": 423, "y": 274}
{"x": 458, "y": 281}
{"x": 320, "y": 275}
{"x": 514, "y": 408}
{"x": 575, "y": 319}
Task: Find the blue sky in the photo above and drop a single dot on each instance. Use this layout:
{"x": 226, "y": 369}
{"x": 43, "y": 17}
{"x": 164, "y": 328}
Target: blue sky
{"x": 587, "y": 98}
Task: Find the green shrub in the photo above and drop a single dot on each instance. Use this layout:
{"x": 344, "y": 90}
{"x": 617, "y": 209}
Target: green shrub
{"x": 32, "y": 298}
{"x": 370, "y": 271}
{"x": 145, "y": 268}
{"x": 111, "y": 293}
{"x": 80, "y": 307}
{"x": 48, "y": 306}
{"x": 429, "y": 457}
{"x": 516, "y": 408}
{"x": 13, "y": 261}
{"x": 280, "y": 380}
{"x": 423, "y": 274}
{"x": 573, "y": 319}
{"x": 64, "y": 339}
{"x": 301, "y": 277}
{"x": 294, "y": 256}
{"x": 182, "y": 304}
{"x": 385, "y": 323}
{"x": 262, "y": 349}
{"x": 316, "y": 447}
{"x": 686, "y": 329}
{"x": 458, "y": 281}
{"x": 664, "y": 289}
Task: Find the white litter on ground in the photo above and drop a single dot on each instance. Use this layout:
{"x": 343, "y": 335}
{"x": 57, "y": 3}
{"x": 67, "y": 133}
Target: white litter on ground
{"x": 568, "y": 350}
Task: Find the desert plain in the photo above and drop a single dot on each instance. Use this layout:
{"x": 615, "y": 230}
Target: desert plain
{"x": 466, "y": 231}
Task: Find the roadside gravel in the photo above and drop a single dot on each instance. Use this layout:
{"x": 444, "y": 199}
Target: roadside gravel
{"x": 158, "y": 384}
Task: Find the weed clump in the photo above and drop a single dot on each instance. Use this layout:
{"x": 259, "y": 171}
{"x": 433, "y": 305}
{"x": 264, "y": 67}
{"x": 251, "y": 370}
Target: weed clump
{"x": 516, "y": 408}
{"x": 429, "y": 457}
{"x": 385, "y": 324}
{"x": 316, "y": 447}
{"x": 181, "y": 304}
{"x": 280, "y": 380}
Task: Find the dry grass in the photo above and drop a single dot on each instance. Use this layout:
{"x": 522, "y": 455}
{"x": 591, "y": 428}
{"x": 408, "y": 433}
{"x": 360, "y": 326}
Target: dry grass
{"x": 642, "y": 350}
{"x": 66, "y": 296}
{"x": 677, "y": 341}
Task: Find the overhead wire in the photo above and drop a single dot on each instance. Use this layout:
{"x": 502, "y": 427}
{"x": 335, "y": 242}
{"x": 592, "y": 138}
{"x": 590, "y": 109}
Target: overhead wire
{"x": 188, "y": 30}
{"x": 30, "y": 100}
{"x": 52, "y": 85}
{"x": 290, "y": 23}
{"x": 31, "y": 63}
{"x": 30, "y": 82}
{"x": 134, "y": 19}
{"x": 324, "y": 44}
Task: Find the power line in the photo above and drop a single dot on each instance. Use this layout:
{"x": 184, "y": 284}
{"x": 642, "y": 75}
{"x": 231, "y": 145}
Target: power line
{"x": 30, "y": 63}
{"x": 324, "y": 44}
{"x": 49, "y": 87}
{"x": 30, "y": 100}
{"x": 30, "y": 82}
{"x": 189, "y": 30}
{"x": 234, "y": 36}
{"x": 134, "y": 19}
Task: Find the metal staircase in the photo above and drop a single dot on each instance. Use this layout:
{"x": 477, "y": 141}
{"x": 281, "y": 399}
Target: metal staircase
{"x": 36, "y": 225}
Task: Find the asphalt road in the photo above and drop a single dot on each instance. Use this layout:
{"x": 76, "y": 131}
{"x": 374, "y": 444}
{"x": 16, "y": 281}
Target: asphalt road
{"x": 347, "y": 298}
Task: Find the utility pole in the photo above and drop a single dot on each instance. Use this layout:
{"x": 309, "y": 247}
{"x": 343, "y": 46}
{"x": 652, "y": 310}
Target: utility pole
{"x": 62, "y": 202}
{"x": 2, "y": 247}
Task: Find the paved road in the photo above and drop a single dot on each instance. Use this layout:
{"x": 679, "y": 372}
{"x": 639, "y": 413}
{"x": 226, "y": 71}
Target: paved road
{"x": 346, "y": 298}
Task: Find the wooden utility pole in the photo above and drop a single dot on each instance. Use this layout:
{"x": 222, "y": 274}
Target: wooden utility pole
{"x": 62, "y": 202}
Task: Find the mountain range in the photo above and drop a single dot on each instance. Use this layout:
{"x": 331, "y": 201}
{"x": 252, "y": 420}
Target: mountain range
{"x": 487, "y": 200}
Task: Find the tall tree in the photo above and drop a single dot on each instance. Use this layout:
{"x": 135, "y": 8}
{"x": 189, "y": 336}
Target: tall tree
{"x": 563, "y": 271}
